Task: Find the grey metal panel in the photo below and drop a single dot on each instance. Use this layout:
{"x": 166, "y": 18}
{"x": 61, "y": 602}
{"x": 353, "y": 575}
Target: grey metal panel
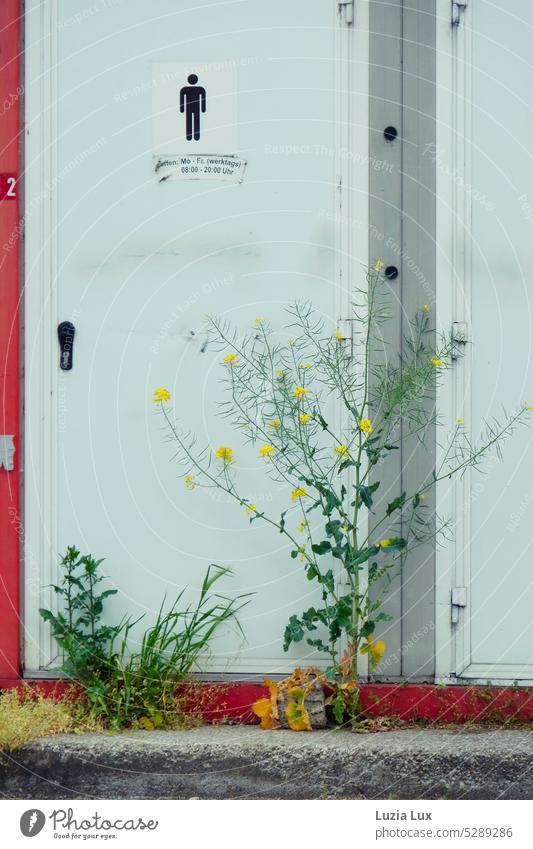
{"x": 385, "y": 192}
{"x": 418, "y": 288}
{"x": 402, "y": 231}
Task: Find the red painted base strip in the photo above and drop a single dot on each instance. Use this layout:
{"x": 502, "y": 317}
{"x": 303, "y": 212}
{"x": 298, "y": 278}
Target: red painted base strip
{"x": 232, "y": 701}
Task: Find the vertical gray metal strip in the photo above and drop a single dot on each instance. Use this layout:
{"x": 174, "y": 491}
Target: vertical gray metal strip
{"x": 402, "y": 232}
{"x": 385, "y": 221}
{"x": 418, "y": 288}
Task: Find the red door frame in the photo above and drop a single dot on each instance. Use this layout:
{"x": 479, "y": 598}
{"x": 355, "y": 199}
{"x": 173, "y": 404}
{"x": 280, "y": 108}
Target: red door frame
{"x": 11, "y": 526}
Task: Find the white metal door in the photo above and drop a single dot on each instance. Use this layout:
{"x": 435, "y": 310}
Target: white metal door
{"x": 485, "y": 171}
{"x": 135, "y": 264}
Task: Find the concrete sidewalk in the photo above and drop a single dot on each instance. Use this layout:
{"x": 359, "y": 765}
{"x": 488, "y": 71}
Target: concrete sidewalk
{"x": 222, "y": 762}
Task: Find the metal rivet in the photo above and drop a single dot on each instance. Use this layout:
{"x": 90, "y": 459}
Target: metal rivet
{"x": 391, "y": 272}
{"x": 390, "y": 133}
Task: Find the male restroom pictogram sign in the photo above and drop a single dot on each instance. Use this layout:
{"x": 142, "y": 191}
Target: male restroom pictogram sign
{"x": 193, "y": 102}
{"x": 195, "y": 108}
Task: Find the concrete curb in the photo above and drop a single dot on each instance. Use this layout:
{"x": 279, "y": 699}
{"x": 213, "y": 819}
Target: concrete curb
{"x": 248, "y": 763}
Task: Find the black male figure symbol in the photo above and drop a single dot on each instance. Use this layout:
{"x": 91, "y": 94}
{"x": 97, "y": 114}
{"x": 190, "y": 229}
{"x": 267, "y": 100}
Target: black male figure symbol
{"x": 192, "y": 102}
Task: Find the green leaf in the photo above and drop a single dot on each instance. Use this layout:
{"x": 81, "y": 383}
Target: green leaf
{"x": 312, "y": 572}
{"x": 47, "y": 615}
{"x": 333, "y": 529}
{"x": 327, "y": 580}
{"x": 318, "y": 644}
{"x": 256, "y": 516}
{"x": 107, "y": 593}
{"x": 368, "y": 628}
{"x": 322, "y": 422}
{"x": 339, "y": 551}
{"x": 331, "y": 673}
{"x": 345, "y": 464}
{"x": 384, "y": 617}
{"x": 396, "y": 504}
{"x": 365, "y": 493}
{"x": 322, "y": 615}
{"x": 309, "y": 618}
{"x": 282, "y": 522}
{"x": 337, "y": 704}
{"x": 322, "y": 547}
{"x": 331, "y": 497}
{"x": 362, "y": 555}
{"x": 294, "y": 632}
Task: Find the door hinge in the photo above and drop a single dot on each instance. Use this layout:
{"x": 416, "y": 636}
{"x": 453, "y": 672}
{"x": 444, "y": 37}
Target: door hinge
{"x": 347, "y": 11}
{"x": 459, "y": 338}
{"x": 7, "y": 450}
{"x": 344, "y": 333}
{"x": 459, "y": 599}
{"x": 458, "y": 10}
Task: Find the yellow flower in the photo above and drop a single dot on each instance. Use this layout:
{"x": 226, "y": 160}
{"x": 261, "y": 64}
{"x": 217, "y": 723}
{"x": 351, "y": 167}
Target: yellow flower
{"x": 302, "y": 552}
{"x": 304, "y": 365}
{"x": 230, "y": 359}
{"x": 345, "y": 527}
{"x": 299, "y": 492}
{"x": 384, "y": 543}
{"x": 302, "y": 526}
{"x": 280, "y": 373}
{"x": 266, "y": 449}
{"x": 459, "y": 421}
{"x": 366, "y": 426}
{"x": 426, "y": 307}
{"x": 342, "y": 450}
{"x": 422, "y": 497}
{"x": 259, "y": 320}
{"x": 225, "y": 453}
{"x": 267, "y": 708}
{"x": 304, "y": 417}
{"x": 379, "y": 265}
{"x": 338, "y": 335}
{"x": 528, "y": 408}
{"x": 375, "y": 650}
{"x": 249, "y": 509}
{"x": 189, "y": 482}
{"x": 161, "y": 394}
{"x": 300, "y": 390}
{"x": 436, "y": 361}
{"x": 274, "y": 423}
{"x": 291, "y": 341}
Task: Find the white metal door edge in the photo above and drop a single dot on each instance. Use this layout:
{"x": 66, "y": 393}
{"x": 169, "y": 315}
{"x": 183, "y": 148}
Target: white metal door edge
{"x": 42, "y": 384}
{"x": 40, "y": 426}
{"x": 453, "y": 298}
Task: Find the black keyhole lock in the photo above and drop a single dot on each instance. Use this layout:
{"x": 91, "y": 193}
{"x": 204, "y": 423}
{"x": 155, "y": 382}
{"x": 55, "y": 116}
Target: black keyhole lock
{"x": 391, "y": 272}
{"x": 65, "y": 333}
{"x": 390, "y": 133}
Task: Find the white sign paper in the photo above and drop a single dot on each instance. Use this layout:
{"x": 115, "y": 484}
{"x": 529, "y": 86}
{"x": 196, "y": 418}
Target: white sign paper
{"x": 201, "y": 167}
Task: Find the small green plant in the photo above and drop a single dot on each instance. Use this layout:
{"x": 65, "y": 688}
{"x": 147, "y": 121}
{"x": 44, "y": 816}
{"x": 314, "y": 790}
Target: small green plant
{"x": 77, "y": 626}
{"x": 133, "y": 688}
{"x": 323, "y": 421}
